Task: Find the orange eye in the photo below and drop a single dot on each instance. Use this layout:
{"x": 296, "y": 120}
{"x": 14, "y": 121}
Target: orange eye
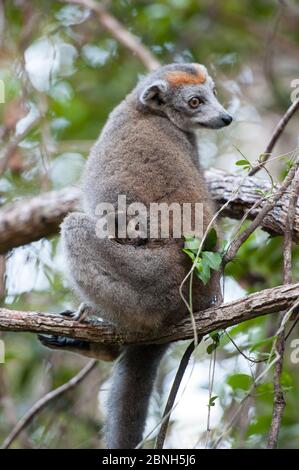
{"x": 194, "y": 102}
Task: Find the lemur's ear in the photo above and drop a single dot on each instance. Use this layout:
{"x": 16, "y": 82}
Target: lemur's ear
{"x": 154, "y": 92}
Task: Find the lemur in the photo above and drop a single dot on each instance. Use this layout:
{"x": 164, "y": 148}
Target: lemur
{"x": 147, "y": 151}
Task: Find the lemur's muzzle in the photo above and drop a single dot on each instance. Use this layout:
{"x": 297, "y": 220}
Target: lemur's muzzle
{"x": 226, "y": 119}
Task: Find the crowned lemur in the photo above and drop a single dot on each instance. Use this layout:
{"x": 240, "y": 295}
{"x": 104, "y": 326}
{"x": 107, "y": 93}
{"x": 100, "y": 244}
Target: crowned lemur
{"x": 147, "y": 151}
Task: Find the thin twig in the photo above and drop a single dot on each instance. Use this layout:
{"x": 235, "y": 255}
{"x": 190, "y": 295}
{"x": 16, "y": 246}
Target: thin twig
{"x": 260, "y": 376}
{"x": 173, "y": 393}
{"x": 238, "y": 241}
{"x": 248, "y": 358}
{"x": 7, "y": 152}
{"x": 292, "y": 327}
{"x": 294, "y": 193}
{"x": 276, "y": 134}
{"x": 190, "y": 273}
{"x": 45, "y": 400}
{"x": 212, "y": 368}
{"x": 279, "y": 400}
{"x": 269, "y": 205}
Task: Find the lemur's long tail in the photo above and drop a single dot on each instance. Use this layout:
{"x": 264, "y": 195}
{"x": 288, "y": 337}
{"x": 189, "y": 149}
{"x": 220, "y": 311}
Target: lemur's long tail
{"x": 132, "y": 385}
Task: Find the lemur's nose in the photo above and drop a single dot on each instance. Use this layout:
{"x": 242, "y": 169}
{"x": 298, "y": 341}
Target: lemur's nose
{"x": 227, "y": 119}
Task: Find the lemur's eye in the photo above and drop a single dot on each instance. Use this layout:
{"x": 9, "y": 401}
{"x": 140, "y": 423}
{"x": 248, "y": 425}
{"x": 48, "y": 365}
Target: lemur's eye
{"x": 194, "y": 102}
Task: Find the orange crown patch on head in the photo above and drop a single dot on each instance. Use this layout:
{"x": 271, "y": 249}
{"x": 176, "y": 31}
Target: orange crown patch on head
{"x": 177, "y": 78}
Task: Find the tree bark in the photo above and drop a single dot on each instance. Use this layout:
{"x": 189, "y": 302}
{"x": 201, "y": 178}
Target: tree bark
{"x": 265, "y": 302}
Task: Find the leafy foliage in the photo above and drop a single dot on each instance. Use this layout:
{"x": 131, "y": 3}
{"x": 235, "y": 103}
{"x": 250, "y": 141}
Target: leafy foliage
{"x": 205, "y": 260}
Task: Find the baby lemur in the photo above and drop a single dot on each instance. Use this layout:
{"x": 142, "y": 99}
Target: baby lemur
{"x": 147, "y": 151}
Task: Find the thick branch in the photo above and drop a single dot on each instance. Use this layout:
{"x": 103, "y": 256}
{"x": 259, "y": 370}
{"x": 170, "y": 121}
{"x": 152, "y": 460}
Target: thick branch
{"x": 267, "y": 301}
{"x": 222, "y": 185}
{"x": 268, "y": 205}
{"x": 31, "y": 219}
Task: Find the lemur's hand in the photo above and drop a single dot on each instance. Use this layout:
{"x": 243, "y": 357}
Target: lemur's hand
{"x": 79, "y": 315}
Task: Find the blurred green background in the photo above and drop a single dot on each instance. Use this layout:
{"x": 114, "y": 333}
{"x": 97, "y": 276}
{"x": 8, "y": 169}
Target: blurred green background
{"x": 57, "y": 60}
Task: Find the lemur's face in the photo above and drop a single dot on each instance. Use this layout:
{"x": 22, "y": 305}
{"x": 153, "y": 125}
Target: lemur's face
{"x": 186, "y": 94}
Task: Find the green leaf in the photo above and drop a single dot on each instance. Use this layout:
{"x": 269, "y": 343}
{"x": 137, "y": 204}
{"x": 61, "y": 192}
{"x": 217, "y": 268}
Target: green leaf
{"x": 203, "y": 271}
{"x": 192, "y": 244}
{"x": 242, "y": 163}
{"x": 189, "y": 253}
{"x": 212, "y": 400}
{"x": 213, "y": 259}
{"x": 210, "y": 241}
{"x": 245, "y": 164}
{"x": 212, "y": 347}
{"x": 215, "y": 337}
{"x": 240, "y": 381}
{"x": 223, "y": 246}
{"x": 188, "y": 238}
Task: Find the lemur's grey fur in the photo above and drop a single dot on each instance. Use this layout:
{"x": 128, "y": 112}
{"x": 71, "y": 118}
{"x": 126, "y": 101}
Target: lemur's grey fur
{"x": 146, "y": 151}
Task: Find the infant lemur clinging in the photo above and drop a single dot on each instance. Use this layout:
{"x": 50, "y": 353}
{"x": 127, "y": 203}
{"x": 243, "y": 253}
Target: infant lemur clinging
{"x": 147, "y": 151}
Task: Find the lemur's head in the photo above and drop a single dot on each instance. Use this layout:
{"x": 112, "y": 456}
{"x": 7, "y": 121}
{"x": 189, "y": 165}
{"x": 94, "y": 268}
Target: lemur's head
{"x": 186, "y": 94}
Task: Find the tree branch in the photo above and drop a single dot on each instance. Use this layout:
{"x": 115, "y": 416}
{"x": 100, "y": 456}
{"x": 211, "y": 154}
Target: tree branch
{"x": 8, "y": 150}
{"x": 279, "y": 399}
{"x": 258, "y": 220}
{"x": 277, "y": 133}
{"x": 31, "y": 219}
{"x": 173, "y": 393}
{"x": 262, "y": 303}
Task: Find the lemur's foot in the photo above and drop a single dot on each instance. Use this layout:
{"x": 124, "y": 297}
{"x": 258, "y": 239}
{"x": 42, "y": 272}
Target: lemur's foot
{"x": 104, "y": 352}
{"x": 60, "y": 342}
{"x": 67, "y": 313}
